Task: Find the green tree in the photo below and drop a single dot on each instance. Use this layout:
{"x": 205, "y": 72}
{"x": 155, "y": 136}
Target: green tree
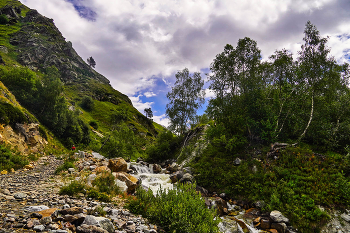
{"x": 149, "y": 113}
{"x": 91, "y": 62}
{"x": 87, "y": 103}
{"x": 185, "y": 97}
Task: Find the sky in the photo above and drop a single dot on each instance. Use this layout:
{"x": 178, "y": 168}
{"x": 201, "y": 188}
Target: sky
{"x": 139, "y": 45}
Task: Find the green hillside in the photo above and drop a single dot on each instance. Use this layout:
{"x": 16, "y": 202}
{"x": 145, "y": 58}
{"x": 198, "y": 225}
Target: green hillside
{"x": 54, "y": 84}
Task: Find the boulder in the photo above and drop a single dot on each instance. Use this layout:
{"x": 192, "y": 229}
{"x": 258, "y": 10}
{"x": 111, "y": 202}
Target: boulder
{"x": 187, "y": 178}
{"x": 130, "y": 181}
{"x": 173, "y": 167}
{"x": 277, "y": 216}
{"x": 237, "y": 161}
{"x": 265, "y": 223}
{"x": 118, "y": 165}
{"x": 221, "y": 206}
{"x": 72, "y": 211}
{"x": 157, "y": 168}
{"x": 101, "y": 169}
{"x": 280, "y": 227}
{"x": 90, "y": 229}
{"x": 47, "y": 212}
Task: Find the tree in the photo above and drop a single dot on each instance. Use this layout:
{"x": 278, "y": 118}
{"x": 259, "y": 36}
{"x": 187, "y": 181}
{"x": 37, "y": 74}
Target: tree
{"x": 185, "y": 97}
{"x": 91, "y": 62}
{"x": 149, "y": 113}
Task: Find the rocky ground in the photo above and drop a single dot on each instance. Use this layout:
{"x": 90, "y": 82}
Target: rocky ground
{"x": 29, "y": 202}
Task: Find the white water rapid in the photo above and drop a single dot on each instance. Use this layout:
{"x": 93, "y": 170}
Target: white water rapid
{"x": 149, "y": 179}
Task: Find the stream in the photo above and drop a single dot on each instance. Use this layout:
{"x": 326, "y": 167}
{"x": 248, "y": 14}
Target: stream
{"x": 158, "y": 181}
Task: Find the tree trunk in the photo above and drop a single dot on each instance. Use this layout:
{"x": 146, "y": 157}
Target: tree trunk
{"x": 310, "y": 119}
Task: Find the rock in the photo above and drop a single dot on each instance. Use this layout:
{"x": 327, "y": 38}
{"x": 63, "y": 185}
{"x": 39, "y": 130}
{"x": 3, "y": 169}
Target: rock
{"x": 39, "y": 228}
{"x": 71, "y": 170}
{"x": 202, "y": 190}
{"x": 72, "y": 211}
{"x": 173, "y": 167}
{"x": 37, "y": 208}
{"x": 187, "y": 170}
{"x": 20, "y": 195}
{"x": 265, "y": 223}
{"x": 237, "y": 161}
{"x": 187, "y": 178}
{"x": 46, "y": 220}
{"x": 254, "y": 169}
{"x": 278, "y": 217}
{"x": 90, "y": 220}
{"x": 3, "y": 49}
{"x": 29, "y": 167}
{"x": 280, "y": 227}
{"x": 345, "y": 217}
{"x": 130, "y": 181}
{"x": 36, "y": 215}
{"x": 47, "y": 212}
{"x": 90, "y": 229}
{"x": 101, "y": 169}
{"x": 91, "y": 178}
{"x": 157, "y": 168}
{"x": 259, "y": 204}
{"x": 221, "y": 206}
{"x": 3, "y": 172}
{"x": 118, "y": 165}
{"x": 105, "y": 224}
{"x": 119, "y": 223}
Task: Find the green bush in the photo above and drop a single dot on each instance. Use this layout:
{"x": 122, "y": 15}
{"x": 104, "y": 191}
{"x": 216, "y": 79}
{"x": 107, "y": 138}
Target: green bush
{"x": 87, "y": 103}
{"x": 73, "y": 188}
{"x": 11, "y": 115}
{"x": 68, "y": 163}
{"x": 105, "y": 183}
{"x": 10, "y": 160}
{"x": 178, "y": 210}
{"x": 93, "y": 124}
{"x": 165, "y": 147}
{"x": 4, "y": 19}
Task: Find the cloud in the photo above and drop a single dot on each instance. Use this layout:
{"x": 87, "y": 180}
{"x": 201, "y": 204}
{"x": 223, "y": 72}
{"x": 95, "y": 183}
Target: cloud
{"x": 149, "y": 94}
{"x": 162, "y": 120}
{"x": 139, "y": 105}
{"x": 135, "y": 43}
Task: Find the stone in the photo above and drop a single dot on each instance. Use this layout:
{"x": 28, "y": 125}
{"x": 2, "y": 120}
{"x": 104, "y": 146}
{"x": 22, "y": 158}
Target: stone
{"x": 187, "y": 178}
{"x": 90, "y": 229}
{"x": 130, "y": 181}
{"x": 118, "y": 165}
{"x": 277, "y": 216}
{"x": 37, "y": 208}
{"x": 20, "y": 195}
{"x": 47, "y": 212}
{"x": 3, "y": 172}
{"x": 36, "y": 215}
{"x": 157, "y": 168}
{"x": 280, "y": 227}
{"x": 72, "y": 211}
{"x": 221, "y": 206}
{"x": 105, "y": 224}
{"x": 39, "y": 228}
{"x": 265, "y": 223}
{"x": 29, "y": 167}
{"x": 71, "y": 170}
{"x": 101, "y": 169}
{"x": 119, "y": 223}
{"x": 237, "y": 161}
{"x": 3, "y": 49}
{"x": 90, "y": 220}
{"x": 345, "y": 217}
{"x": 46, "y": 220}
{"x": 173, "y": 167}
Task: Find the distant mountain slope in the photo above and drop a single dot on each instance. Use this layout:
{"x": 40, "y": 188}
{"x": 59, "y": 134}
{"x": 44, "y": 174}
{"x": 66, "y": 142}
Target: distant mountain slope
{"x": 28, "y": 39}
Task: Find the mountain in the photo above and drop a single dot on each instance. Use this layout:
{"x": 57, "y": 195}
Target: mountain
{"x": 53, "y": 84}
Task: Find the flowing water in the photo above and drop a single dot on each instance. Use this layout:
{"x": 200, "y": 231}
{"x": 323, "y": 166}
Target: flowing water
{"x": 156, "y": 182}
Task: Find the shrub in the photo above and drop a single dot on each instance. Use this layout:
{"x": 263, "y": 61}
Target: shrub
{"x": 10, "y": 160}
{"x": 69, "y": 163}
{"x": 4, "y": 19}
{"x": 87, "y": 103}
{"x": 164, "y": 148}
{"x": 177, "y": 210}
{"x": 105, "y": 183}
{"x": 73, "y": 188}
{"x": 93, "y": 124}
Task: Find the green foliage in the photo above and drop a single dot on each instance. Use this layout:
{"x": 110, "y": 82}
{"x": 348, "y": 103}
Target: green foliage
{"x": 93, "y": 124}
{"x": 4, "y": 19}
{"x": 105, "y": 183}
{"x": 178, "y": 210}
{"x": 73, "y": 188}
{"x": 64, "y": 167}
{"x": 9, "y": 160}
{"x": 165, "y": 147}
{"x": 10, "y": 115}
{"x": 185, "y": 98}
{"x": 122, "y": 142}
{"x": 87, "y": 103}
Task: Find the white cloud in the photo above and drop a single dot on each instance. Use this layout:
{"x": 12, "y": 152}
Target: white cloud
{"x": 209, "y": 93}
{"x": 135, "y": 41}
{"x": 139, "y": 105}
{"x": 162, "y": 120}
{"x": 149, "y": 94}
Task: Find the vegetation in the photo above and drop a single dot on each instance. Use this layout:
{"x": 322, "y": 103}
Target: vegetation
{"x": 9, "y": 159}
{"x": 178, "y": 210}
{"x": 185, "y": 98}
